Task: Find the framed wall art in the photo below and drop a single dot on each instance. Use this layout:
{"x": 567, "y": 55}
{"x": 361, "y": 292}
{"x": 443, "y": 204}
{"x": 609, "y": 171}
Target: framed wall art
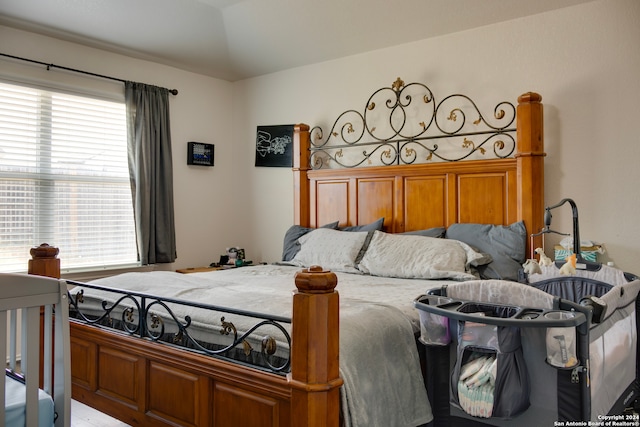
{"x": 199, "y": 153}
{"x": 274, "y": 146}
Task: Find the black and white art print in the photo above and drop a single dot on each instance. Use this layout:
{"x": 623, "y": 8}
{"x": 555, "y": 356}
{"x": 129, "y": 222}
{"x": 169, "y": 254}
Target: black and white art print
{"x": 274, "y": 146}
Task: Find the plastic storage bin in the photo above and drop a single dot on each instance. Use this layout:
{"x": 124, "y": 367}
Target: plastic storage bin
{"x": 434, "y": 328}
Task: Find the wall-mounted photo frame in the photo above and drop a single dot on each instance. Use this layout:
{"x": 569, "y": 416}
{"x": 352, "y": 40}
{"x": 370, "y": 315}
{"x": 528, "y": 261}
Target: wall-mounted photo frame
{"x": 274, "y": 146}
{"x": 200, "y": 154}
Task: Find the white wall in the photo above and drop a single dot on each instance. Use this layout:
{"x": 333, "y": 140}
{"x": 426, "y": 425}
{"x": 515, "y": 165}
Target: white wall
{"x": 583, "y": 60}
{"x": 200, "y": 112}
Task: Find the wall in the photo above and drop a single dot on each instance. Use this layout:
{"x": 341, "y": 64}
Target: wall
{"x": 583, "y": 60}
{"x": 201, "y": 111}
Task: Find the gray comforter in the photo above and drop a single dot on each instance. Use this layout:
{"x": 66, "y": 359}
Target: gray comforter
{"x": 379, "y": 364}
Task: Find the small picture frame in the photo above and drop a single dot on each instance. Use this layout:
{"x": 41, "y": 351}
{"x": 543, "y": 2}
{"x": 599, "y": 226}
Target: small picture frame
{"x": 274, "y": 146}
{"x": 200, "y": 154}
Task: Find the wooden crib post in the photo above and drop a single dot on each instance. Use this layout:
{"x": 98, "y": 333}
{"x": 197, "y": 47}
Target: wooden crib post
{"x": 315, "y": 377}
{"x": 44, "y": 261}
{"x": 530, "y": 157}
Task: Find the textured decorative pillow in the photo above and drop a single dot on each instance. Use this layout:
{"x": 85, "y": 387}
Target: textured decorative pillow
{"x": 375, "y": 225}
{"x": 290, "y": 247}
{"x": 430, "y": 232}
{"x": 332, "y": 249}
{"x": 505, "y": 244}
{"x": 418, "y": 257}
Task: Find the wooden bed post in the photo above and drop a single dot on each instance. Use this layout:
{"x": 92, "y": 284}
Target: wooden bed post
{"x": 315, "y": 377}
{"x": 301, "y": 162}
{"x": 530, "y": 157}
{"x": 44, "y": 261}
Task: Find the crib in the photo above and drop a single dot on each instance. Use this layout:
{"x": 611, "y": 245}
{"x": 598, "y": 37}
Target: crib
{"x": 558, "y": 349}
{"x": 34, "y": 325}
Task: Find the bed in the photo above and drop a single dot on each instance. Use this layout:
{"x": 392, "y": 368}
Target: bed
{"x": 310, "y": 377}
{"x": 36, "y": 387}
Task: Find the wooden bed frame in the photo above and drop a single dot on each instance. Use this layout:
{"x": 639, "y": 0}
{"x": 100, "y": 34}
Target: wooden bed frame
{"x": 145, "y": 383}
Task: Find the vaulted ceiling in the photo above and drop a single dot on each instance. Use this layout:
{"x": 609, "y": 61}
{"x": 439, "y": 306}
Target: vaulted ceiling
{"x": 237, "y": 39}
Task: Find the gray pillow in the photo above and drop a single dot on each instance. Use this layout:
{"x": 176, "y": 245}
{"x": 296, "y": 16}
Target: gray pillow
{"x": 374, "y": 226}
{"x": 291, "y": 246}
{"x": 430, "y": 232}
{"x": 505, "y": 244}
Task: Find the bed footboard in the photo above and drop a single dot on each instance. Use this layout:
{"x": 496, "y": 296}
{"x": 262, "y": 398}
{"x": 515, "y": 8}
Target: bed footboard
{"x": 141, "y": 384}
{"x": 145, "y": 383}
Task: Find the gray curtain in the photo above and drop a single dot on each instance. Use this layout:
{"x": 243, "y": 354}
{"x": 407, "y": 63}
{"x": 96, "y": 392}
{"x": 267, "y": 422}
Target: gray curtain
{"x": 151, "y": 171}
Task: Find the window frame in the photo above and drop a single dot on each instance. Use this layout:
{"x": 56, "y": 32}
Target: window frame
{"x": 47, "y": 177}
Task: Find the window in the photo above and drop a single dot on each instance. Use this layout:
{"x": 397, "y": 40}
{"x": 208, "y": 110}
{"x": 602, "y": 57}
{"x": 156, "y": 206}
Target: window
{"x": 64, "y": 179}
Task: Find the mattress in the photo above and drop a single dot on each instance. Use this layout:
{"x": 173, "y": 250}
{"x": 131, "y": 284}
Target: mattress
{"x": 366, "y": 303}
{"x": 15, "y": 405}
{"x": 265, "y": 289}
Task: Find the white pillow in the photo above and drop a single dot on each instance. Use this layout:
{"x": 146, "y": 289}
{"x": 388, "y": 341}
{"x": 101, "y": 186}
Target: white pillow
{"x": 331, "y": 249}
{"x": 419, "y": 257}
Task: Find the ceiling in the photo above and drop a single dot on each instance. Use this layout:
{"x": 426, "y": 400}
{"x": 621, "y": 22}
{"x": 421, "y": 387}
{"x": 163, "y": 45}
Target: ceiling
{"x": 237, "y": 39}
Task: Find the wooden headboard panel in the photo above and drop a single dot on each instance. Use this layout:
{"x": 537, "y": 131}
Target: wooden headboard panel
{"x": 418, "y": 196}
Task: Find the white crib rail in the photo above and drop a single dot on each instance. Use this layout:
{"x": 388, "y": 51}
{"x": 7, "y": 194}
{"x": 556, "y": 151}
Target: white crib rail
{"x": 29, "y": 295}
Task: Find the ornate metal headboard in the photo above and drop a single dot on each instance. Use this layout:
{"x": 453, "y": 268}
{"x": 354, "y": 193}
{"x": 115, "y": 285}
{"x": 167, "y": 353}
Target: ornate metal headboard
{"x": 404, "y": 124}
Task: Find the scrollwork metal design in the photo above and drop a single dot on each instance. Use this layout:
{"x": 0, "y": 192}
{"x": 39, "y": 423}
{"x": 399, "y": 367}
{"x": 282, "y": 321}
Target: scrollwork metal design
{"x": 129, "y": 323}
{"x": 149, "y": 316}
{"x": 401, "y": 121}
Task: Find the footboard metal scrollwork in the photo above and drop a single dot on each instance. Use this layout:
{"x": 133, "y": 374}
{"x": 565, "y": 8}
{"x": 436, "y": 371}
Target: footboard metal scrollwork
{"x": 154, "y": 318}
{"x": 404, "y": 124}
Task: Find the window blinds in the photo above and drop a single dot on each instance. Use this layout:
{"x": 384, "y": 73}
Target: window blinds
{"x": 64, "y": 179}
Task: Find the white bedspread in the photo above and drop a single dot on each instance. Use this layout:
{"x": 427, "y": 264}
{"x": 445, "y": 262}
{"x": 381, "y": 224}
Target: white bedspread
{"x": 379, "y": 364}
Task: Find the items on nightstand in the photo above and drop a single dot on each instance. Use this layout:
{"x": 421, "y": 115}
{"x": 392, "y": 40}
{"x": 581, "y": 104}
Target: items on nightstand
{"x": 234, "y": 257}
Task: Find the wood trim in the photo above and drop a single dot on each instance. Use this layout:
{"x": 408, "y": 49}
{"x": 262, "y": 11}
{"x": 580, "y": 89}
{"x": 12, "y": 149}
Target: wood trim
{"x": 315, "y": 377}
{"x": 301, "y": 159}
{"x": 530, "y": 156}
{"x": 131, "y": 398}
{"x": 44, "y": 261}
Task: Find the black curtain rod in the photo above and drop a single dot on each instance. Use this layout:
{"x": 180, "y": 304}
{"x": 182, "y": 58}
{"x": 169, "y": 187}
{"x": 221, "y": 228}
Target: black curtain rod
{"x": 49, "y": 66}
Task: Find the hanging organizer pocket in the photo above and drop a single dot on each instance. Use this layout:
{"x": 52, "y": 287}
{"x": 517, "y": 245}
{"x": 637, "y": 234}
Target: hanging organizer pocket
{"x": 489, "y": 378}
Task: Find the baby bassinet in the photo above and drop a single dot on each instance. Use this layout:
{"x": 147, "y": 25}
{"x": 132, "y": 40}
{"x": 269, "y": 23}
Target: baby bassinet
{"x": 558, "y": 349}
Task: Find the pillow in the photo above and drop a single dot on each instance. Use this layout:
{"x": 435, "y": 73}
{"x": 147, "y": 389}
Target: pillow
{"x": 375, "y": 225}
{"x": 332, "y": 249}
{"x": 430, "y": 232}
{"x": 291, "y": 246}
{"x": 419, "y": 257}
{"x": 505, "y": 244}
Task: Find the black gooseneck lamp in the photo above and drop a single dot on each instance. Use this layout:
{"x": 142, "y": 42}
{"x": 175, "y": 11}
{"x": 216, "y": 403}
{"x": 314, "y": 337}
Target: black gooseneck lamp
{"x": 581, "y": 263}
